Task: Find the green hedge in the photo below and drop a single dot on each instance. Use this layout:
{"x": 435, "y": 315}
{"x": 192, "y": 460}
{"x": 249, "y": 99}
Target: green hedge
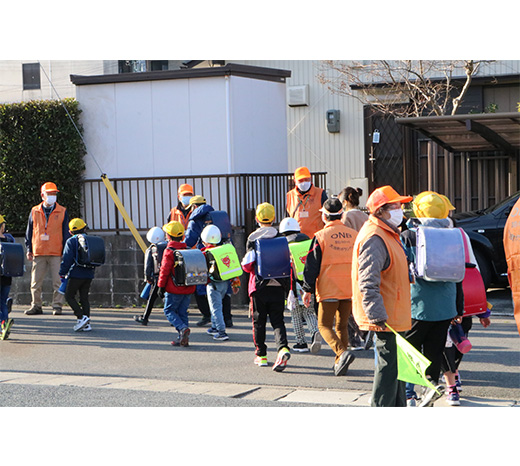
{"x": 38, "y": 143}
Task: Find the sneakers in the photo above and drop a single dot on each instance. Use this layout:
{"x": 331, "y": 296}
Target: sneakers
{"x": 221, "y": 336}
{"x": 57, "y": 311}
{"x": 316, "y": 343}
{"x": 6, "y": 329}
{"x": 81, "y": 323}
{"x": 345, "y": 360}
{"x": 87, "y": 328}
{"x": 301, "y": 348}
{"x": 184, "y": 339}
{"x": 411, "y": 402}
{"x": 261, "y": 361}
{"x": 281, "y": 361}
{"x": 141, "y": 320}
{"x": 35, "y": 310}
{"x": 453, "y": 397}
{"x": 431, "y": 396}
{"x": 203, "y": 322}
{"x": 212, "y": 331}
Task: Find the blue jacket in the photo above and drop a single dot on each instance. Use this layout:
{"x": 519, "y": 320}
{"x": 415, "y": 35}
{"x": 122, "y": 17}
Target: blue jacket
{"x": 196, "y": 225}
{"x": 431, "y": 301}
{"x": 68, "y": 261}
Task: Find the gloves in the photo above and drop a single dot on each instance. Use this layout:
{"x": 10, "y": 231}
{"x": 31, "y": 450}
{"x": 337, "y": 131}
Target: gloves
{"x": 160, "y": 293}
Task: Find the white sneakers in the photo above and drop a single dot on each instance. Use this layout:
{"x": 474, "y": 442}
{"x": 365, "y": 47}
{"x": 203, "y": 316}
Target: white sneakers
{"x": 82, "y": 323}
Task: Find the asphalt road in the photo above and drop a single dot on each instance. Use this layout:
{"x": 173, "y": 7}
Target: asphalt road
{"x": 119, "y": 349}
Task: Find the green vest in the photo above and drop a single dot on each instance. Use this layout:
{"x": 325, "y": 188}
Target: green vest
{"x": 226, "y": 260}
{"x": 299, "y": 253}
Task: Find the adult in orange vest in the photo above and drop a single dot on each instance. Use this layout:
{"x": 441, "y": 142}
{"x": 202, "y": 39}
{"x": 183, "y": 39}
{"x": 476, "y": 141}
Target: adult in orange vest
{"x": 512, "y": 250}
{"x": 327, "y": 274}
{"x": 381, "y": 289}
{"x": 181, "y": 213}
{"x": 304, "y": 202}
{"x": 46, "y": 234}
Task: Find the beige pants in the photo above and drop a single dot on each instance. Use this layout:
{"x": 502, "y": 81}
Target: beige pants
{"x": 336, "y": 338}
{"x": 41, "y": 267}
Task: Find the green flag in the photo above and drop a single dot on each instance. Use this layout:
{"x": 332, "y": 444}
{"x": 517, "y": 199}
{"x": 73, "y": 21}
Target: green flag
{"x": 411, "y": 363}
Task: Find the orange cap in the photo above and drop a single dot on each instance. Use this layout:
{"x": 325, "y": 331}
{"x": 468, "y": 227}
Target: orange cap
{"x": 49, "y": 187}
{"x": 302, "y": 172}
{"x": 185, "y": 189}
{"x": 385, "y": 195}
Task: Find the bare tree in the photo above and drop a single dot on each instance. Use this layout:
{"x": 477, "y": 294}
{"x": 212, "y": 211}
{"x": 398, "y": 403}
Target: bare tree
{"x": 402, "y": 87}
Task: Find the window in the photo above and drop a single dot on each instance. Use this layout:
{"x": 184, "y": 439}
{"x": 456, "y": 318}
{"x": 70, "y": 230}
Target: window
{"x": 31, "y": 76}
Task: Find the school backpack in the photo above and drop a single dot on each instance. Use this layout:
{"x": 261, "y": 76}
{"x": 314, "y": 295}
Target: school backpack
{"x": 190, "y": 267}
{"x": 220, "y": 218}
{"x": 273, "y": 258}
{"x": 440, "y": 254}
{"x": 91, "y": 251}
{"x": 11, "y": 259}
{"x": 223, "y": 262}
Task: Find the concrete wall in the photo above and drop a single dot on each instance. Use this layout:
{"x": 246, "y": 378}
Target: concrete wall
{"x": 120, "y": 281}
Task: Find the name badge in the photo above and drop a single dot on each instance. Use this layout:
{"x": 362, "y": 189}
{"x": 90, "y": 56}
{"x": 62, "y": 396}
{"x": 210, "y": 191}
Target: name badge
{"x": 304, "y": 214}
{"x": 44, "y": 237}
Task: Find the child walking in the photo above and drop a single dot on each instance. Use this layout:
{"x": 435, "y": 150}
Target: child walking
{"x": 267, "y": 296}
{"x": 176, "y": 298}
{"x": 78, "y": 277}
{"x": 5, "y": 288}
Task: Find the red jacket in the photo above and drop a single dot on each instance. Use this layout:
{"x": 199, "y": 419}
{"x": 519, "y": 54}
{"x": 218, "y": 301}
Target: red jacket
{"x": 167, "y": 268}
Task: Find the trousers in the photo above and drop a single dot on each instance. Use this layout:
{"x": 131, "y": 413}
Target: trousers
{"x": 81, "y": 286}
{"x": 337, "y": 337}
{"x": 41, "y": 267}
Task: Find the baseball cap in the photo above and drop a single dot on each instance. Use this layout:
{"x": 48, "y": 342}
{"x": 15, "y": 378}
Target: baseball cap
{"x": 174, "y": 229}
{"x": 185, "y": 189}
{"x": 265, "y": 212}
{"x": 49, "y": 187}
{"x": 197, "y": 200}
{"x": 332, "y": 206}
{"x": 302, "y": 172}
{"x": 385, "y": 195}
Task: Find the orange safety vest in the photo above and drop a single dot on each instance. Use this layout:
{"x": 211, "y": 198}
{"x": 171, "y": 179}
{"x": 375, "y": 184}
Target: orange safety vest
{"x": 305, "y": 208}
{"x": 51, "y": 229}
{"x": 178, "y": 216}
{"x": 395, "y": 283}
{"x": 512, "y": 251}
{"x": 336, "y": 243}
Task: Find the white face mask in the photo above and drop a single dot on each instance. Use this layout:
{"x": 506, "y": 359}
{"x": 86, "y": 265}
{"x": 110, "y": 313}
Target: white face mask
{"x": 50, "y": 199}
{"x": 304, "y": 186}
{"x": 185, "y": 200}
{"x": 396, "y": 217}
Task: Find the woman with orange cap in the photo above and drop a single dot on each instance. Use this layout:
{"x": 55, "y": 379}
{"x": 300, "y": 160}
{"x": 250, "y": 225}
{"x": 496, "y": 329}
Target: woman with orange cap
{"x": 381, "y": 289}
{"x": 305, "y": 201}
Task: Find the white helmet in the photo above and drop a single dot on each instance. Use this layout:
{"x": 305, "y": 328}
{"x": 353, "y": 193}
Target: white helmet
{"x": 289, "y": 224}
{"x": 211, "y": 234}
{"x": 155, "y": 235}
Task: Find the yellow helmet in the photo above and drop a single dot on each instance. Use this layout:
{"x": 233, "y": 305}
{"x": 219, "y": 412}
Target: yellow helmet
{"x": 76, "y": 224}
{"x": 265, "y": 212}
{"x": 447, "y": 201}
{"x": 430, "y": 204}
{"x": 2, "y": 219}
{"x": 174, "y": 229}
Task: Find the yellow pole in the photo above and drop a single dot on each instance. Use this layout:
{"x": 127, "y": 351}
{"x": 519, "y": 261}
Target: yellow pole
{"x": 123, "y": 212}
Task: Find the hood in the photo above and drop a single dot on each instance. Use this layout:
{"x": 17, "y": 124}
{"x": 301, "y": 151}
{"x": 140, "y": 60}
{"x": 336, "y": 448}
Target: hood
{"x": 414, "y": 222}
{"x": 201, "y": 211}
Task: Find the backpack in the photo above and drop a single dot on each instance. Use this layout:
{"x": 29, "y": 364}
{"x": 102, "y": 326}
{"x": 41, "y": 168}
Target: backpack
{"x": 220, "y": 218}
{"x": 11, "y": 259}
{"x": 190, "y": 267}
{"x": 440, "y": 254}
{"x": 273, "y": 258}
{"x": 91, "y": 251}
{"x": 223, "y": 262}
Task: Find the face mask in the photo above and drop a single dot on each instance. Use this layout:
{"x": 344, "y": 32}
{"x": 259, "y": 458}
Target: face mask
{"x": 396, "y": 217}
{"x": 185, "y": 200}
{"x": 51, "y": 199}
{"x": 304, "y": 186}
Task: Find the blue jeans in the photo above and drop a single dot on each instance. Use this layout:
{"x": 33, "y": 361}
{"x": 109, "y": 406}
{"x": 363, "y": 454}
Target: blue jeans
{"x": 4, "y": 294}
{"x": 176, "y": 309}
{"x": 216, "y": 293}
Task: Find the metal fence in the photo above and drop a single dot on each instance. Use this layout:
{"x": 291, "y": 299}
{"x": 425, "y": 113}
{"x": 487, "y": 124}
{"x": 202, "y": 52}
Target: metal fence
{"x": 148, "y": 201}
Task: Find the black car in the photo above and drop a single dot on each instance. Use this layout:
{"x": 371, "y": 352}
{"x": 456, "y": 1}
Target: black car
{"x": 486, "y": 231}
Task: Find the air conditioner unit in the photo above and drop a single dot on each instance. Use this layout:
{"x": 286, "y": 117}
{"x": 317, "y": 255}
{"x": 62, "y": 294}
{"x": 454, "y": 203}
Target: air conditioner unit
{"x": 298, "y": 96}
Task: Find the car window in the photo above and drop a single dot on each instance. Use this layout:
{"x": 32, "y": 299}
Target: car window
{"x": 502, "y": 203}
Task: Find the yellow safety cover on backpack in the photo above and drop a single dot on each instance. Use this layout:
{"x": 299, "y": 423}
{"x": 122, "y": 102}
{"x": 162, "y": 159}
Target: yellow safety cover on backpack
{"x": 227, "y": 262}
{"x": 299, "y": 253}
